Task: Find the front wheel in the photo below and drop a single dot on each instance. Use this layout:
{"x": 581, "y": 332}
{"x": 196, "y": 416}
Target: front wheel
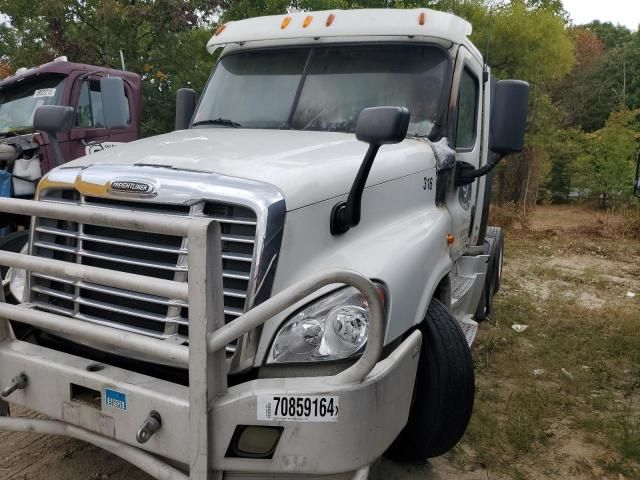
{"x": 443, "y": 392}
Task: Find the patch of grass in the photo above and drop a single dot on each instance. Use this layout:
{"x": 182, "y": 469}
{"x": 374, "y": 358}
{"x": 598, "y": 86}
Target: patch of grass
{"x": 520, "y": 419}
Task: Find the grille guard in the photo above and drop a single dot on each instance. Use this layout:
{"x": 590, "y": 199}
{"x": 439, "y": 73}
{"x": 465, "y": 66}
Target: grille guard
{"x": 208, "y": 336}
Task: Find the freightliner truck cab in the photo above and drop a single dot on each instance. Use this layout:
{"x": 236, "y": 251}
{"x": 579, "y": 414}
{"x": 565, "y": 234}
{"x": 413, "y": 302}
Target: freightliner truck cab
{"x": 323, "y": 315}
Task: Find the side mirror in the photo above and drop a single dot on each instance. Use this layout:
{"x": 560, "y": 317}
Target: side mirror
{"x": 382, "y": 125}
{"x": 376, "y": 126}
{"x": 509, "y": 117}
{"x": 636, "y": 186}
{"x": 185, "y": 107}
{"x": 54, "y": 119}
{"x": 115, "y": 108}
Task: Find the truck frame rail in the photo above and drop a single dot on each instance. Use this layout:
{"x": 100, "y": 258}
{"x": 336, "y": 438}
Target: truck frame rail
{"x": 208, "y": 335}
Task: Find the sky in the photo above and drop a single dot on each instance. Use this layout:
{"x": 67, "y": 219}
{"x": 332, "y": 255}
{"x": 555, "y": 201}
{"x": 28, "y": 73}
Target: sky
{"x": 624, "y": 12}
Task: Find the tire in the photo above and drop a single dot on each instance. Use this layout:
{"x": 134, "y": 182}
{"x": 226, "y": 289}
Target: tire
{"x": 486, "y": 300}
{"x": 12, "y": 242}
{"x": 495, "y": 242}
{"x": 496, "y": 237}
{"x": 443, "y": 393}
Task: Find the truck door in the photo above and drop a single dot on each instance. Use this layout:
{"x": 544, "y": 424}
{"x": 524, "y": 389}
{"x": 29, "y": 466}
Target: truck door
{"x": 465, "y": 138}
{"x": 89, "y": 134}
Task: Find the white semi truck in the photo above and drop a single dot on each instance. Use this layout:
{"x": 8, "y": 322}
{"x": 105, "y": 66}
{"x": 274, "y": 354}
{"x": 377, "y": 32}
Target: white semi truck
{"x": 287, "y": 285}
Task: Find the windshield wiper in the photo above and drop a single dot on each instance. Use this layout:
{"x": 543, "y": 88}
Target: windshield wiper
{"x": 225, "y": 122}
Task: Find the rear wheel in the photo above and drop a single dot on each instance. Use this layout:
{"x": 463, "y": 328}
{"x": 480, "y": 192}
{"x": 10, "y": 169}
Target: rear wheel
{"x": 443, "y": 392}
{"x": 495, "y": 241}
{"x": 495, "y": 235}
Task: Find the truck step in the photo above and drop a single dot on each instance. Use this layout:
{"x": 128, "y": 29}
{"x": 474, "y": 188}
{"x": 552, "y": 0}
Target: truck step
{"x": 460, "y": 285}
{"x": 469, "y": 328}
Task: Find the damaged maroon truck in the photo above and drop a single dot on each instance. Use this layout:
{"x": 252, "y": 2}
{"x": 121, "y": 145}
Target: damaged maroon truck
{"x": 27, "y": 153}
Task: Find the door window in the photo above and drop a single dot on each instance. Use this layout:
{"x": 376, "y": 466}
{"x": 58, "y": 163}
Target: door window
{"x": 89, "y": 111}
{"x": 466, "y": 125}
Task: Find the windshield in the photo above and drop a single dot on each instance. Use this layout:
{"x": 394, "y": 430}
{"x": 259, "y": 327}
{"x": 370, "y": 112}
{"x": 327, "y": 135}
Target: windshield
{"x": 326, "y": 88}
{"x": 19, "y": 102}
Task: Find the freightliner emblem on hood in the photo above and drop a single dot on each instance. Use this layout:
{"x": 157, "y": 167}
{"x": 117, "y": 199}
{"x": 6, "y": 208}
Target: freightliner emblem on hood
{"x": 130, "y": 186}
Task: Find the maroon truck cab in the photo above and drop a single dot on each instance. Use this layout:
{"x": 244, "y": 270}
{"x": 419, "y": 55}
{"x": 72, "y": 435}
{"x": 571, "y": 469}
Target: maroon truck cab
{"x": 26, "y": 154}
{"x": 79, "y": 88}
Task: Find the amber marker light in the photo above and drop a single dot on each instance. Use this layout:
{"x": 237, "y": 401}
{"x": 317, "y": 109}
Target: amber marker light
{"x": 285, "y": 23}
{"x": 422, "y": 18}
{"x": 307, "y": 21}
{"x": 450, "y": 239}
{"x": 220, "y": 29}
{"x": 330, "y": 19}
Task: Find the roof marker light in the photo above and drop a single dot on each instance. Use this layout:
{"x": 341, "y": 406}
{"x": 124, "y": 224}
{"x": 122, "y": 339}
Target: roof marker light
{"x": 421, "y": 18}
{"x": 220, "y": 29}
{"x": 285, "y": 23}
{"x": 307, "y": 21}
{"x": 330, "y": 19}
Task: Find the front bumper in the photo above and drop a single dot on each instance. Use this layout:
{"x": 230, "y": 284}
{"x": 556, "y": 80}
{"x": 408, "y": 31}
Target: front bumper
{"x": 107, "y": 405}
{"x": 372, "y": 412}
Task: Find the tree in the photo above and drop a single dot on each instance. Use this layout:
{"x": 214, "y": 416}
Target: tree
{"x": 611, "y": 35}
{"x": 163, "y": 40}
{"x": 608, "y": 163}
{"x": 586, "y": 93}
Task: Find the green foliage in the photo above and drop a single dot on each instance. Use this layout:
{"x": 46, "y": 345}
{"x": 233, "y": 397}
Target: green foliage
{"x": 162, "y": 40}
{"x": 612, "y": 35}
{"x": 608, "y": 162}
{"x": 526, "y": 42}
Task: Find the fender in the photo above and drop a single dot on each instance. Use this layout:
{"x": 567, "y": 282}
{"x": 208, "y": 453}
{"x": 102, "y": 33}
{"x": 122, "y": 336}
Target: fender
{"x": 401, "y": 241}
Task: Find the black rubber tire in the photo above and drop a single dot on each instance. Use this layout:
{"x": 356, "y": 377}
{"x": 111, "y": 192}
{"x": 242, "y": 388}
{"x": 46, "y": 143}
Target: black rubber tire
{"x": 495, "y": 235}
{"x": 485, "y": 305}
{"x": 443, "y": 393}
{"x": 12, "y": 242}
{"x": 495, "y": 242}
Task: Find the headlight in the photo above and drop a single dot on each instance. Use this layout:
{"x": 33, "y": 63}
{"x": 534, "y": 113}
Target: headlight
{"x": 17, "y": 280}
{"x": 333, "y": 327}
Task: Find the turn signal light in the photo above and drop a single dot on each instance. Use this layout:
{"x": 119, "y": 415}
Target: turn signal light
{"x": 422, "y": 18}
{"x": 450, "y": 239}
{"x": 330, "y": 19}
{"x": 285, "y": 23}
{"x": 307, "y": 21}
{"x": 220, "y": 29}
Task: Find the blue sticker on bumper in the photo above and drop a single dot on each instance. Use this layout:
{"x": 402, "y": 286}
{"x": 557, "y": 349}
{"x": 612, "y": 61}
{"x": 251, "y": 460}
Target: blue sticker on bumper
{"x": 115, "y": 399}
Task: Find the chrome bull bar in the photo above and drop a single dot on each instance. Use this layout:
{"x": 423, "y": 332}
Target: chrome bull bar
{"x": 208, "y": 335}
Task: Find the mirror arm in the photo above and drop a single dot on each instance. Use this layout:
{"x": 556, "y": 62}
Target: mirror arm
{"x": 466, "y": 174}
{"x": 346, "y": 215}
{"x": 58, "y": 159}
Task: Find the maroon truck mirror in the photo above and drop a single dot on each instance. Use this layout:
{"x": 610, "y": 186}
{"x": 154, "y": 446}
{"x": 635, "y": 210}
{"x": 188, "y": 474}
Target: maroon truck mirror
{"x": 54, "y": 119}
{"x": 114, "y": 102}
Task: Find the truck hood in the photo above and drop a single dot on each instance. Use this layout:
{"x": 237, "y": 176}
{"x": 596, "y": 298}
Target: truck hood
{"x": 307, "y": 167}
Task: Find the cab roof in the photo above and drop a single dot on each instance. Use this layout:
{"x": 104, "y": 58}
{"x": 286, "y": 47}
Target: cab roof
{"x": 347, "y": 25}
{"x": 66, "y": 68}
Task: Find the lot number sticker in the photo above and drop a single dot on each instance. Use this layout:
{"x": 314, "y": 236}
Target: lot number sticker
{"x": 296, "y": 408}
{"x": 45, "y": 92}
{"x": 115, "y": 399}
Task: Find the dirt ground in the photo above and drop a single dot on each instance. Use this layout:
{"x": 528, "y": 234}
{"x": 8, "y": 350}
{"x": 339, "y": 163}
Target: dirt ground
{"x": 559, "y": 400}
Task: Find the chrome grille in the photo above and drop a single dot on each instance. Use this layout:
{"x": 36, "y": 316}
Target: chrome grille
{"x": 160, "y": 256}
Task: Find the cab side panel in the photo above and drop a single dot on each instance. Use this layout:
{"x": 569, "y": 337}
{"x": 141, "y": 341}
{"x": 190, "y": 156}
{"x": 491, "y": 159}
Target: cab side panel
{"x": 401, "y": 241}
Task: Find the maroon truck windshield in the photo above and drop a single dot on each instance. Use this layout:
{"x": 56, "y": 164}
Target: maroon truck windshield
{"x": 19, "y": 102}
